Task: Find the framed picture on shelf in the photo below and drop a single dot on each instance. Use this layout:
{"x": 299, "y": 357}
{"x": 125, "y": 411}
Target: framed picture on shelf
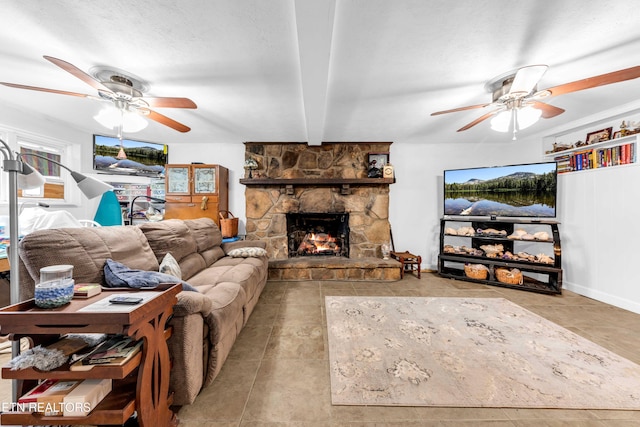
{"x": 376, "y": 163}
{"x": 599, "y": 135}
{"x": 617, "y": 135}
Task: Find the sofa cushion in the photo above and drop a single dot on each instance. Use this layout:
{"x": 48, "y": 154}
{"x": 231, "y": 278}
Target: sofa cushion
{"x": 169, "y": 265}
{"x": 171, "y": 235}
{"x": 206, "y": 233}
{"x": 87, "y": 249}
{"x": 246, "y": 272}
{"x": 194, "y": 243}
{"x": 249, "y": 251}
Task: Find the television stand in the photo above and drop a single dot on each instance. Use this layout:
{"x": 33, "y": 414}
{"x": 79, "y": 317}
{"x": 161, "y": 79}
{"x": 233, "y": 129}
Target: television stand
{"x": 537, "y": 259}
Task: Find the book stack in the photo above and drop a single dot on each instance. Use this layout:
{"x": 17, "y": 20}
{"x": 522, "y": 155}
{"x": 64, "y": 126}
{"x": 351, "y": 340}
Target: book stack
{"x": 86, "y": 290}
{"x": 85, "y": 397}
{"x": 67, "y": 398}
{"x": 597, "y": 158}
{"x": 47, "y": 397}
{"x": 116, "y": 350}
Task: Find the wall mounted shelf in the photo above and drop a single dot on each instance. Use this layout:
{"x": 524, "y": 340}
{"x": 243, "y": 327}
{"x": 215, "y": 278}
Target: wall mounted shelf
{"x": 344, "y": 183}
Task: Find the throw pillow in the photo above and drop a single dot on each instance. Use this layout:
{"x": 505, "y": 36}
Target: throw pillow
{"x": 247, "y": 252}
{"x": 119, "y": 275}
{"x": 169, "y": 265}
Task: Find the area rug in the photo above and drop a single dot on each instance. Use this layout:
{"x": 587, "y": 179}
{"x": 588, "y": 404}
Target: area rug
{"x": 467, "y": 352}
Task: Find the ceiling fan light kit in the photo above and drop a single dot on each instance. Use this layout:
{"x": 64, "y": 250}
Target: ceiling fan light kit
{"x": 125, "y": 91}
{"x": 521, "y": 118}
{"x": 517, "y": 101}
{"x": 112, "y": 118}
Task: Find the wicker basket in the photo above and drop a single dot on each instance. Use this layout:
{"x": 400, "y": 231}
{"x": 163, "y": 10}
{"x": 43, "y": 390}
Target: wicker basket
{"x": 228, "y": 225}
{"x": 476, "y": 271}
{"x": 510, "y": 277}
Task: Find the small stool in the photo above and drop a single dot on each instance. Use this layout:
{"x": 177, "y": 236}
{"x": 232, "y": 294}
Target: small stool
{"x": 409, "y": 261}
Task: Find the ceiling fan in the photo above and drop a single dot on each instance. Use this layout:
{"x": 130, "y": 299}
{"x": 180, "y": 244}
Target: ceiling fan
{"x": 124, "y": 90}
{"x": 516, "y": 92}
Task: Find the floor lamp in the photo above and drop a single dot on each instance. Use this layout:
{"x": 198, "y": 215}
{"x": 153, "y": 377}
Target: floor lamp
{"x": 23, "y": 176}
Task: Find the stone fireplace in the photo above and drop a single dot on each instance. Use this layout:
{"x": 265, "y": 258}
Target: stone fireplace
{"x": 313, "y": 181}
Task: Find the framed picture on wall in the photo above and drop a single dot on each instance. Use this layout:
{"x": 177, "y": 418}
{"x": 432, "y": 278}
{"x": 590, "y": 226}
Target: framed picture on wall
{"x": 599, "y": 136}
{"x": 376, "y": 162}
{"x": 380, "y": 159}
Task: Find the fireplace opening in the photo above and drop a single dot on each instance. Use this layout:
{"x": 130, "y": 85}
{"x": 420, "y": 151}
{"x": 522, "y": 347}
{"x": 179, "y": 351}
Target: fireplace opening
{"x": 318, "y": 234}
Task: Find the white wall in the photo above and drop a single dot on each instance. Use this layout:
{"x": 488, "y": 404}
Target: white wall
{"x": 416, "y": 204}
{"x": 598, "y": 210}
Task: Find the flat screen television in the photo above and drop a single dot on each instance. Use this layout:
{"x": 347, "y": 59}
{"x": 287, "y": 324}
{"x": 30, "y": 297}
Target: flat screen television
{"x": 129, "y": 157}
{"x": 527, "y": 190}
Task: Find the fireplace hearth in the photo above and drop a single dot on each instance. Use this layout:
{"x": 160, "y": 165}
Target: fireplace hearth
{"x": 318, "y": 234}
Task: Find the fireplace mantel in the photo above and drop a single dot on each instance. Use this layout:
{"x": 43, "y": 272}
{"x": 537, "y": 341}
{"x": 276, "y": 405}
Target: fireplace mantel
{"x": 317, "y": 181}
{"x": 289, "y": 183}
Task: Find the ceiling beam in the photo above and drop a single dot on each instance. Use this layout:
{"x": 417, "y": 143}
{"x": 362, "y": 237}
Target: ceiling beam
{"x": 314, "y": 22}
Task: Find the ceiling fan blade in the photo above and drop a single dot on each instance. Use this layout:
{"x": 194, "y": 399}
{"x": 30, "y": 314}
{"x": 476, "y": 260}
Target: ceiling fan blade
{"x": 478, "y": 120}
{"x": 42, "y": 89}
{"x": 170, "y": 102}
{"x": 167, "y": 121}
{"x": 70, "y": 68}
{"x": 548, "y": 111}
{"x": 595, "y": 81}
{"x": 470, "y": 107}
{"x": 527, "y": 78}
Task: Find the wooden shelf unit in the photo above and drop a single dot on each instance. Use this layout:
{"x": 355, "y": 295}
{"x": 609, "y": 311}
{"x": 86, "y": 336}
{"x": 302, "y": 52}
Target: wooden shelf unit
{"x": 141, "y": 385}
{"x": 195, "y": 191}
{"x": 289, "y": 183}
{"x": 613, "y": 152}
{"x": 452, "y": 264}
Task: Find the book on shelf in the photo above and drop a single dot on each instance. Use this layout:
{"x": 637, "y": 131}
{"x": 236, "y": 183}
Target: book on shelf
{"x": 85, "y": 397}
{"x": 114, "y": 351}
{"x": 68, "y": 345}
{"x": 86, "y": 290}
{"x": 622, "y": 154}
{"x": 47, "y": 397}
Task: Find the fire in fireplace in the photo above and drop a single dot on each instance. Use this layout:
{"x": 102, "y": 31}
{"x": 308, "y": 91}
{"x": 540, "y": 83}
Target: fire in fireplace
{"x": 318, "y": 234}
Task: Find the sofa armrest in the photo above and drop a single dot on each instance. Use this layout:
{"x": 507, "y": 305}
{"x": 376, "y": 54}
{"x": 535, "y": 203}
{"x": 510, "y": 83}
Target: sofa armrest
{"x": 192, "y": 302}
{"x": 226, "y": 247}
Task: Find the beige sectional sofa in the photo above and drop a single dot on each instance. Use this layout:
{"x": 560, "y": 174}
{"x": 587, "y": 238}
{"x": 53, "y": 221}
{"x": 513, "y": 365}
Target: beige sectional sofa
{"x": 205, "y": 323}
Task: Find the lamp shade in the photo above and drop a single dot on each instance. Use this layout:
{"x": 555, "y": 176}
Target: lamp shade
{"x": 90, "y": 186}
{"x": 528, "y": 116}
{"x": 30, "y": 178}
{"x": 108, "y": 212}
{"x": 502, "y": 121}
{"x": 112, "y": 117}
{"x": 525, "y": 117}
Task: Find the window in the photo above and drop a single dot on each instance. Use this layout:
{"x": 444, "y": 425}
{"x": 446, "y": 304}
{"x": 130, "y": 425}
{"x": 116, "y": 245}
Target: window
{"x": 54, "y": 187}
{"x": 59, "y": 188}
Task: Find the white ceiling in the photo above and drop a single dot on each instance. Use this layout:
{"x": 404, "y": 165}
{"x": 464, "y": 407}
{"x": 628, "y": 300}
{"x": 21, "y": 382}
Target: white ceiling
{"x": 317, "y": 70}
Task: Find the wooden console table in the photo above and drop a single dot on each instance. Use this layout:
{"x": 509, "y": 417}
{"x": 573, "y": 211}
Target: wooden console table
{"x": 146, "y": 321}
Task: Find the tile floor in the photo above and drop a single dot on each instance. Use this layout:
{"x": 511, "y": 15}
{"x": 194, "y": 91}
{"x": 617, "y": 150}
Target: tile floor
{"x": 278, "y": 374}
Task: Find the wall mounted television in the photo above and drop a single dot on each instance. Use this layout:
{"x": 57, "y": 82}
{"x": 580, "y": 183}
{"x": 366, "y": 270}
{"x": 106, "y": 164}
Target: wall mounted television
{"x": 129, "y": 157}
{"x": 526, "y": 190}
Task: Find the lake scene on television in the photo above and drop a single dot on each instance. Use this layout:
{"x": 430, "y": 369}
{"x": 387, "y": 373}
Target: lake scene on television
{"x": 506, "y": 191}
{"x": 128, "y": 157}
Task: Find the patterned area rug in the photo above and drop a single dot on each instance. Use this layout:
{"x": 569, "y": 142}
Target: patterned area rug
{"x": 468, "y": 352}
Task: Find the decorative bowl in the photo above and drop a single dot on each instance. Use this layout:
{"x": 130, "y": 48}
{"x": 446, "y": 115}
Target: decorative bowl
{"x": 54, "y": 293}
